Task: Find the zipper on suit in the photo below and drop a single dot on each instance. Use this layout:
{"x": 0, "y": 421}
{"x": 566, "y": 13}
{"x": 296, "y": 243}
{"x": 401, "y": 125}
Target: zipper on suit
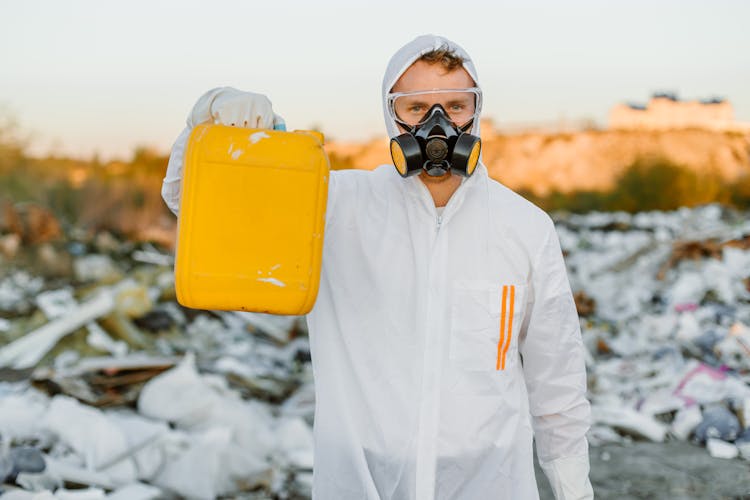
{"x": 430, "y": 394}
{"x": 428, "y": 416}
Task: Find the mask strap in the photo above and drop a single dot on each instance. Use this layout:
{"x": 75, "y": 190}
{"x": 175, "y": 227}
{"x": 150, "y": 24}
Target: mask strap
{"x": 467, "y": 126}
{"x": 409, "y": 128}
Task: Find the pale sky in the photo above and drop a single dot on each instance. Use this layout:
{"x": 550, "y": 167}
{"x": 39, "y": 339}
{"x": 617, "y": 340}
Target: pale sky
{"x": 85, "y": 76}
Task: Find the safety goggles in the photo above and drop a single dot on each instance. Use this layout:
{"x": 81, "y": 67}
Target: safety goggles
{"x": 410, "y": 108}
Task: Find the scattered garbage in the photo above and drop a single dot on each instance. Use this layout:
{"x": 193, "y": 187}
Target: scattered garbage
{"x": 102, "y": 381}
{"x": 721, "y": 449}
{"x": 718, "y": 423}
{"x": 18, "y": 460}
{"x": 667, "y": 335}
{"x": 109, "y": 389}
{"x": 28, "y": 350}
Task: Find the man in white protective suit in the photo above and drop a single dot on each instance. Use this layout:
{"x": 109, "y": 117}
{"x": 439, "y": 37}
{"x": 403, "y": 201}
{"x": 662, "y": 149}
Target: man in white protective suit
{"x": 445, "y": 336}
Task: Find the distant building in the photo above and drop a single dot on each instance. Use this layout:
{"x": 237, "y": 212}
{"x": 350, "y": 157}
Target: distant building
{"x": 665, "y": 111}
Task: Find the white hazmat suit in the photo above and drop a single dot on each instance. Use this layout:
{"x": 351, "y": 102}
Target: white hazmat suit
{"x": 441, "y": 343}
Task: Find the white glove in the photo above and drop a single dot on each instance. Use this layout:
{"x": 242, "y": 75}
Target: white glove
{"x": 569, "y": 477}
{"x": 225, "y": 106}
{"x": 229, "y": 106}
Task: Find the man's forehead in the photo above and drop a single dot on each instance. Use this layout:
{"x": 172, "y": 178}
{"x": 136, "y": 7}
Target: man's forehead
{"x": 425, "y": 76}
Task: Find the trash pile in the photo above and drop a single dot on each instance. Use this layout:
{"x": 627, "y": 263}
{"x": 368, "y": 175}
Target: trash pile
{"x": 109, "y": 389}
{"x": 664, "y": 301}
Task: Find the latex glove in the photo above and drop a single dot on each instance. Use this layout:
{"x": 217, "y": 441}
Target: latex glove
{"x": 569, "y": 478}
{"x": 237, "y": 108}
{"x": 222, "y": 105}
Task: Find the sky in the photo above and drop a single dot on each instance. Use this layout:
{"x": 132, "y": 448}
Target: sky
{"x": 85, "y": 77}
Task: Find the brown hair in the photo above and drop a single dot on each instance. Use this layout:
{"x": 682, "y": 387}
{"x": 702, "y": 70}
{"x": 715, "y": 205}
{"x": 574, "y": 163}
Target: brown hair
{"x": 444, "y": 56}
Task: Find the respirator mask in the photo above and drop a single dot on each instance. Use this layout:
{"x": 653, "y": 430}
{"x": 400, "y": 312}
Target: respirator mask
{"x": 436, "y": 140}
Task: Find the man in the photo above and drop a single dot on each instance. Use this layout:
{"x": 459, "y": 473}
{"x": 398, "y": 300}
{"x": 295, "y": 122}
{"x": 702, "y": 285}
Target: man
{"x": 444, "y": 329}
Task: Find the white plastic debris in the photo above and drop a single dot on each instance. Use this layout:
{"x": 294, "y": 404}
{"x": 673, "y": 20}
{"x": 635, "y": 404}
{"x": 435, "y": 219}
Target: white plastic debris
{"x": 230, "y": 439}
{"x": 630, "y": 421}
{"x": 704, "y": 384}
{"x": 603, "y": 434}
{"x": 100, "y": 339}
{"x": 21, "y": 414}
{"x": 685, "y": 422}
{"x": 210, "y": 464}
{"x": 16, "y": 290}
{"x": 722, "y": 281}
{"x": 68, "y": 470}
{"x": 95, "y": 267}
{"x": 296, "y": 442}
{"x": 56, "y": 303}
{"x": 301, "y": 403}
{"x": 721, "y": 449}
{"x": 276, "y": 327}
{"x": 181, "y": 395}
{"x": 39, "y": 481}
{"x": 26, "y": 351}
{"x": 690, "y": 287}
{"x": 94, "y": 436}
{"x": 144, "y": 443}
{"x": 745, "y": 413}
{"x": 153, "y": 256}
{"x": 688, "y": 327}
{"x": 661, "y": 401}
{"x": 735, "y": 347}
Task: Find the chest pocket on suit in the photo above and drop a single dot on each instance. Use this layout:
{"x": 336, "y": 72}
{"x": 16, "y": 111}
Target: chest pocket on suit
{"x": 486, "y": 319}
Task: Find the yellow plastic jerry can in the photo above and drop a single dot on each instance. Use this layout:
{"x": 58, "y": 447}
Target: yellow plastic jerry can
{"x": 251, "y": 220}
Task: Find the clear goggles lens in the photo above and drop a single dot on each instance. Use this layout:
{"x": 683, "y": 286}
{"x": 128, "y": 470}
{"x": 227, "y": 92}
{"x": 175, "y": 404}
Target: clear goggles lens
{"x": 461, "y": 105}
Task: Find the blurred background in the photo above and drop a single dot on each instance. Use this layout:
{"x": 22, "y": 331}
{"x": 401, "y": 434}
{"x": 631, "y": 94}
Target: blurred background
{"x": 628, "y": 121}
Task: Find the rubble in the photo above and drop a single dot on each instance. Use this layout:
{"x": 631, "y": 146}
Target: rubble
{"x": 630, "y": 421}
{"x": 669, "y": 341}
{"x": 17, "y": 292}
{"x": 685, "y": 421}
{"x": 98, "y": 268}
{"x": 28, "y": 350}
{"x": 103, "y": 381}
{"x": 721, "y": 449}
{"x": 23, "y": 459}
{"x": 120, "y": 392}
{"x": 718, "y": 423}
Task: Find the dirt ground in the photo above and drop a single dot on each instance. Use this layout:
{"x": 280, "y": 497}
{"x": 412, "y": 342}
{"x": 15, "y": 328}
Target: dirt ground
{"x": 674, "y": 471}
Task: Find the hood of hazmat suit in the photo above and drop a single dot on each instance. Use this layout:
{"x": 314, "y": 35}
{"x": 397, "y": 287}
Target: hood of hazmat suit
{"x": 442, "y": 343}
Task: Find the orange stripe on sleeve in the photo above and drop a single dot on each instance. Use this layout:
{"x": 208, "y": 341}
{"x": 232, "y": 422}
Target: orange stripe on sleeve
{"x": 502, "y": 328}
{"x": 510, "y": 323}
